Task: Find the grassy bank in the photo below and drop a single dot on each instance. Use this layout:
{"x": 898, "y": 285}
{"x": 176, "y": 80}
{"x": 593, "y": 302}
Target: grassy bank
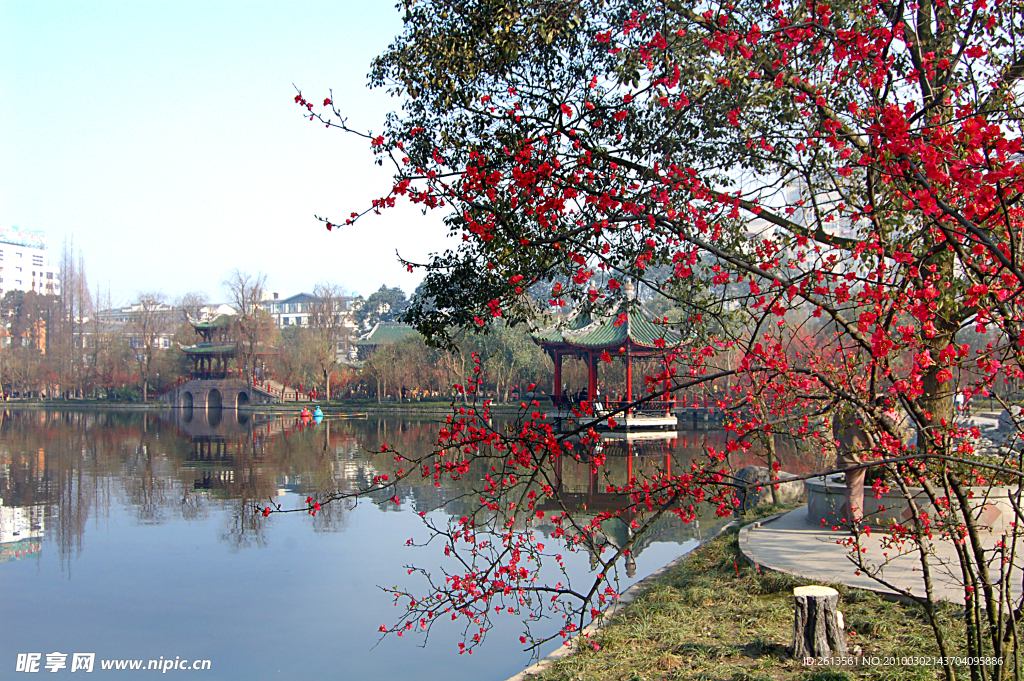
{"x": 712, "y": 618}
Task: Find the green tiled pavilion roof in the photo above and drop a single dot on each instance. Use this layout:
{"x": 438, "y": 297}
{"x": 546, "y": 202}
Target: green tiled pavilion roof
{"x": 209, "y": 349}
{"x": 217, "y": 322}
{"x": 638, "y": 327}
{"x": 386, "y": 333}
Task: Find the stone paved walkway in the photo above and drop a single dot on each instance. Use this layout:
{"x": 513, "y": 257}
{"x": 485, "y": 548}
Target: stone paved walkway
{"x": 790, "y": 544}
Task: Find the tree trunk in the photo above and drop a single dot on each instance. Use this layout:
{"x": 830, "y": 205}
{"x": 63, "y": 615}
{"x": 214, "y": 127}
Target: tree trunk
{"x": 769, "y": 441}
{"x": 817, "y": 631}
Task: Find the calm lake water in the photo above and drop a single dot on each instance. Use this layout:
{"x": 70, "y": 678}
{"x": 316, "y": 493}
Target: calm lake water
{"x": 133, "y": 536}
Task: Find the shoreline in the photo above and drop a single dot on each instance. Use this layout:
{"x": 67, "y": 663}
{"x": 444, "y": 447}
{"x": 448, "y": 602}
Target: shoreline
{"x": 328, "y": 408}
{"x": 84, "y": 405}
{"x": 627, "y": 597}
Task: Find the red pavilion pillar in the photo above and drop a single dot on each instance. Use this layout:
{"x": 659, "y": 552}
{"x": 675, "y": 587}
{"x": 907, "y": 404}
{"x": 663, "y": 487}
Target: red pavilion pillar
{"x": 558, "y": 373}
{"x": 591, "y": 376}
{"x": 629, "y": 377}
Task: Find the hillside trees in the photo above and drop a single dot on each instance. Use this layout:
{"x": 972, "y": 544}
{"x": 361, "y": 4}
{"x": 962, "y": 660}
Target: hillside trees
{"x": 383, "y": 305}
{"x": 858, "y": 163}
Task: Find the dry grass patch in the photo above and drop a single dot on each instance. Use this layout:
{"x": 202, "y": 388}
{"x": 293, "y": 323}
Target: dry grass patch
{"x": 715, "y": 619}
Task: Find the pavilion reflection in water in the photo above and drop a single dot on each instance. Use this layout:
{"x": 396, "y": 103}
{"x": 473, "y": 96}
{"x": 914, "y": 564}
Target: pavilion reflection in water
{"x": 61, "y": 469}
{"x": 582, "y": 488}
{"x": 230, "y": 449}
{"x": 222, "y": 440}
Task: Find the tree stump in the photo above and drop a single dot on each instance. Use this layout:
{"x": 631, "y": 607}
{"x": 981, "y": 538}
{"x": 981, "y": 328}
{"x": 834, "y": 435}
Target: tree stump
{"x": 817, "y": 631}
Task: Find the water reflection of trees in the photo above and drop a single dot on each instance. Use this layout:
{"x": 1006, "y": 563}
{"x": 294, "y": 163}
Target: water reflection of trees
{"x": 75, "y": 465}
{"x": 185, "y": 466}
{"x": 511, "y": 488}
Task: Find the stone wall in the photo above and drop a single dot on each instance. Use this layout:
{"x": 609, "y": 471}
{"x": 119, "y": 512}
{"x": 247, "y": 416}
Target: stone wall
{"x": 826, "y": 501}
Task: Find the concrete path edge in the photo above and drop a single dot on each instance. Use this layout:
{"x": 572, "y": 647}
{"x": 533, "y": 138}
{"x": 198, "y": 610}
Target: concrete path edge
{"x": 745, "y": 550}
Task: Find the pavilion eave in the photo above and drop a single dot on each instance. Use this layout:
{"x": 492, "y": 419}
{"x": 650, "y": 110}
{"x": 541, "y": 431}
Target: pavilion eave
{"x": 626, "y": 331}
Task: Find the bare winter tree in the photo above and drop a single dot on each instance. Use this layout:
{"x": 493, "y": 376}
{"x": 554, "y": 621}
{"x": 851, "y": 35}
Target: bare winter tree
{"x": 190, "y": 306}
{"x": 148, "y": 323}
{"x": 246, "y": 292}
{"x": 72, "y": 313}
{"x": 109, "y": 356}
{"x": 327, "y": 324}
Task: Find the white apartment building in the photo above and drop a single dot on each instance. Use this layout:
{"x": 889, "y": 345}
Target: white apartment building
{"x": 23, "y": 265}
{"x": 297, "y": 309}
{"x": 163, "y": 321}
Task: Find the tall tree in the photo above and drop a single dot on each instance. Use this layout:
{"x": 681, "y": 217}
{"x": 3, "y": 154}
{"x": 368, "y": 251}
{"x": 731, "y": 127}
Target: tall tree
{"x": 383, "y": 305}
{"x": 150, "y": 320}
{"x": 67, "y": 330}
{"x": 327, "y": 321}
{"x": 190, "y": 306}
{"x": 253, "y": 322}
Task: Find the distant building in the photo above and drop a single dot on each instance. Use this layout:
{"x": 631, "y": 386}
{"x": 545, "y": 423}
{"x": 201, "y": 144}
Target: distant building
{"x": 211, "y": 312}
{"x": 21, "y": 528}
{"x": 291, "y": 311}
{"x": 164, "y": 320}
{"x": 382, "y": 333}
{"x": 296, "y": 310}
{"x": 23, "y": 264}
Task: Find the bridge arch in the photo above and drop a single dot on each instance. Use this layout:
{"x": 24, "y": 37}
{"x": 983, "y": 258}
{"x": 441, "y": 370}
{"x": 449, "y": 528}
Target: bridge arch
{"x": 214, "y": 416}
{"x": 214, "y": 400}
{"x": 242, "y": 399}
{"x": 188, "y": 400}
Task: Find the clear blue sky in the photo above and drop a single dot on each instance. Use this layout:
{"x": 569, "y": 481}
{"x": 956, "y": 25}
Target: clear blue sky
{"x": 162, "y": 138}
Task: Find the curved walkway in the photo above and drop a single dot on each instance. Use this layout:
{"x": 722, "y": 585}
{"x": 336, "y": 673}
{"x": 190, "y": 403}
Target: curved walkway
{"x": 788, "y": 543}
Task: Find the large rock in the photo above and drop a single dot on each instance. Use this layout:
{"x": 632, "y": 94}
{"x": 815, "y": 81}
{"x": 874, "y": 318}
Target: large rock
{"x": 1006, "y": 419}
{"x": 787, "y": 492}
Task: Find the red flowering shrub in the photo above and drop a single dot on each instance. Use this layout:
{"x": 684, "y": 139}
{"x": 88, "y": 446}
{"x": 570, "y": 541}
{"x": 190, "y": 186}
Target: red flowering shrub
{"x": 828, "y": 194}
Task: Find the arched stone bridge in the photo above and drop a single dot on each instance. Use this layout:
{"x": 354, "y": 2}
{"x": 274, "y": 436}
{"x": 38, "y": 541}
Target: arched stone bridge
{"x": 224, "y": 393}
